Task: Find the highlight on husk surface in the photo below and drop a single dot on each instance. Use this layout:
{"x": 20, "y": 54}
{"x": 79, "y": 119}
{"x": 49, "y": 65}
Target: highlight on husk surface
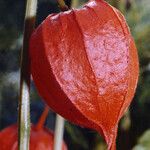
{"x": 85, "y": 66}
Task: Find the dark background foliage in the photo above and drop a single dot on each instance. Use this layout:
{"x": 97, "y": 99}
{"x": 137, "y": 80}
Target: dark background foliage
{"x": 134, "y": 127}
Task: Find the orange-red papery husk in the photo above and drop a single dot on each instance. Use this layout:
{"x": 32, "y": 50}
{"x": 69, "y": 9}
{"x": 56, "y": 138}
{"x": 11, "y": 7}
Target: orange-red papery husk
{"x": 85, "y": 66}
{"x": 40, "y": 139}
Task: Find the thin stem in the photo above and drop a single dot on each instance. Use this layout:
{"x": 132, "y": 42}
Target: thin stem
{"x": 62, "y": 5}
{"x": 59, "y": 131}
{"x": 128, "y": 4}
{"x": 42, "y": 119}
{"x": 60, "y": 122}
{"x": 24, "y": 100}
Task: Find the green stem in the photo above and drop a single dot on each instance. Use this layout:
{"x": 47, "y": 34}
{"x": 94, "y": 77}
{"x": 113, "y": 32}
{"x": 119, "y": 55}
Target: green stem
{"x": 62, "y": 5}
{"x": 24, "y": 100}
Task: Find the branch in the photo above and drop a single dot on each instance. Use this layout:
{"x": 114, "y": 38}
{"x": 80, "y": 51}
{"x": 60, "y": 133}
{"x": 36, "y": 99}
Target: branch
{"x": 24, "y": 100}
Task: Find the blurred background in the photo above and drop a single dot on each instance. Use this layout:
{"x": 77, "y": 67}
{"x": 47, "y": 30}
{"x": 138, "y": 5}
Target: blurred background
{"x": 134, "y": 128}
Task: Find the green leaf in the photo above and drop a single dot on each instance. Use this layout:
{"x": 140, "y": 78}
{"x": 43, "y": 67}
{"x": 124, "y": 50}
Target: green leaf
{"x": 143, "y": 142}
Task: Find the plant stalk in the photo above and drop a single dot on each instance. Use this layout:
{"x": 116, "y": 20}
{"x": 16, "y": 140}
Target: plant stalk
{"x": 60, "y": 122}
{"x": 59, "y": 131}
{"x": 42, "y": 119}
{"x": 62, "y": 5}
{"x": 24, "y": 98}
